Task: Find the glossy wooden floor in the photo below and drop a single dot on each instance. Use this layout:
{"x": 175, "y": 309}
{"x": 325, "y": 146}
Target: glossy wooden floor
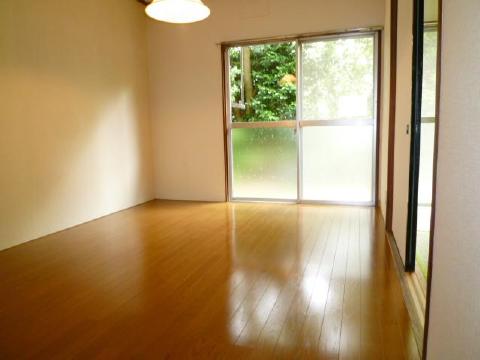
{"x": 191, "y": 280}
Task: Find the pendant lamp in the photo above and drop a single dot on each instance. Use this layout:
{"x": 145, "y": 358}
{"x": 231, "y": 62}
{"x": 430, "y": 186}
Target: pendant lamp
{"x": 177, "y": 11}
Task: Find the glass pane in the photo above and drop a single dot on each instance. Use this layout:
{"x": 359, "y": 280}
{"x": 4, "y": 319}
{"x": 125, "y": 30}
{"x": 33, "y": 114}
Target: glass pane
{"x": 338, "y": 163}
{"x": 338, "y": 79}
{"x": 429, "y": 72}
{"x": 427, "y": 141}
{"x": 264, "y": 163}
{"x": 263, "y": 82}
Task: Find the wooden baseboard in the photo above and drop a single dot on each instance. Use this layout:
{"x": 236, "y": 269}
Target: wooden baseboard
{"x": 413, "y": 292}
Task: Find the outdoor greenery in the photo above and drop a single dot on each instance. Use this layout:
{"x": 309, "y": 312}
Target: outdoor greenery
{"x": 266, "y": 92}
{"x": 337, "y": 82}
{"x": 269, "y": 82}
{"x": 337, "y": 79}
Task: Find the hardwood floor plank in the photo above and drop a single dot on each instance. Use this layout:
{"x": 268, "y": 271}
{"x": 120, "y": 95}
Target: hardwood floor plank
{"x": 351, "y": 317}
{"x": 329, "y": 341}
{"x": 207, "y": 280}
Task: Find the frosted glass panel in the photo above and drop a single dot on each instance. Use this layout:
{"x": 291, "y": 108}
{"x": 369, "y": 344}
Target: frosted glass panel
{"x": 338, "y": 163}
{"x": 338, "y": 79}
{"x": 264, "y": 163}
{"x": 429, "y": 87}
{"x": 425, "y": 180}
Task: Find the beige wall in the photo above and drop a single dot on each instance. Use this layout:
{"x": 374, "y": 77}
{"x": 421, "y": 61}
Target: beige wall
{"x": 74, "y": 128}
{"x": 455, "y": 304}
{"x": 186, "y": 84}
{"x": 402, "y": 120}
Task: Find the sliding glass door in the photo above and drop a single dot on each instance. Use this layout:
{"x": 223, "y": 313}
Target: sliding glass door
{"x": 262, "y": 128}
{"x": 427, "y": 147}
{"x": 423, "y": 138}
{"x": 338, "y": 110}
{"x": 301, "y": 120}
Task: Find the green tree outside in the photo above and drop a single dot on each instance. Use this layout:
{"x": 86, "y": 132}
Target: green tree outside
{"x": 271, "y": 69}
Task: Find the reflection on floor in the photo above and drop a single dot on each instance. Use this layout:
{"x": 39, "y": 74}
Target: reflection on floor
{"x": 194, "y": 280}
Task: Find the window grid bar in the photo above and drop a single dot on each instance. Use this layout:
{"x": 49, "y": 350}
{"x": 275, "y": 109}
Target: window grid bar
{"x": 292, "y": 124}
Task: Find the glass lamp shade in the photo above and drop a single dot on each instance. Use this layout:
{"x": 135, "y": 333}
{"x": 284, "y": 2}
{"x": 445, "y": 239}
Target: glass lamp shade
{"x": 177, "y": 11}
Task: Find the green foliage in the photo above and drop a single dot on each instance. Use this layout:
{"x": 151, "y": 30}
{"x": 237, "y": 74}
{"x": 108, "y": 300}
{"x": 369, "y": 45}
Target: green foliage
{"x": 273, "y": 75}
{"x": 334, "y": 70}
{"x": 337, "y": 80}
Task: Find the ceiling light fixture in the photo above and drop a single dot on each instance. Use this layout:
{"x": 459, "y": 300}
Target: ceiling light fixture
{"x": 178, "y": 11}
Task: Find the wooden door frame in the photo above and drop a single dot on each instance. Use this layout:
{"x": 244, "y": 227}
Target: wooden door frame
{"x": 415, "y": 133}
{"x": 392, "y": 112}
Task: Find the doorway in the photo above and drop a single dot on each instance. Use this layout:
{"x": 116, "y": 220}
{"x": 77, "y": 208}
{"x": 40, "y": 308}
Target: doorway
{"x": 301, "y": 119}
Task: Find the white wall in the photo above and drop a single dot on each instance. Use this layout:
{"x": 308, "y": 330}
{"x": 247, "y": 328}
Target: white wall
{"x": 186, "y": 84}
{"x": 402, "y": 119}
{"x": 74, "y": 123}
{"x": 455, "y": 303}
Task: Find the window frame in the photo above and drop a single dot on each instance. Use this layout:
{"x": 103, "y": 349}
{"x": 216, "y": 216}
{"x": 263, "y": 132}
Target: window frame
{"x": 298, "y": 124}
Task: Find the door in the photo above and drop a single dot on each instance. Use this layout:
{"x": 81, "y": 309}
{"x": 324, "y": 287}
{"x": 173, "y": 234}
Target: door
{"x": 338, "y": 112}
{"x": 262, "y": 129}
{"x": 422, "y": 150}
